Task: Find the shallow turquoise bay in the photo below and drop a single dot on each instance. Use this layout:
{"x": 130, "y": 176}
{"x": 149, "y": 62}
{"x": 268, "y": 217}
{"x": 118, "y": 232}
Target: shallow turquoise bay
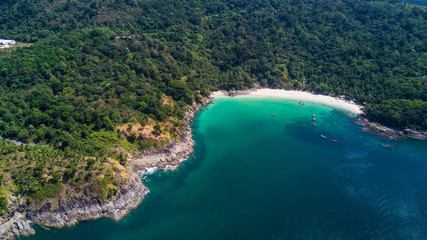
{"x": 258, "y": 176}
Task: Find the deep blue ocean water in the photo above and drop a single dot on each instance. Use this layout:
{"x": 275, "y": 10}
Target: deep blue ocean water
{"x": 258, "y": 176}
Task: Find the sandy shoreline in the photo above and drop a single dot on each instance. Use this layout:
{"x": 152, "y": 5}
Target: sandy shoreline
{"x": 304, "y": 97}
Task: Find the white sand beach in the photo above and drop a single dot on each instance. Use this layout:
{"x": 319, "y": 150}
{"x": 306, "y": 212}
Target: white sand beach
{"x": 303, "y": 96}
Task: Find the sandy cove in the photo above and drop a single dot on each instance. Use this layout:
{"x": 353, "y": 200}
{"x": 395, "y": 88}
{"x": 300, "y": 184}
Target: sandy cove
{"x": 168, "y": 159}
{"x": 339, "y": 102}
{"x": 171, "y": 157}
{"x": 177, "y": 152}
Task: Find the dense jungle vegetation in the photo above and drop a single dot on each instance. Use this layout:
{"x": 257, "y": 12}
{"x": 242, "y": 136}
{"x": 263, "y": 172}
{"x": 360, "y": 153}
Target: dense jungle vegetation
{"x": 98, "y": 65}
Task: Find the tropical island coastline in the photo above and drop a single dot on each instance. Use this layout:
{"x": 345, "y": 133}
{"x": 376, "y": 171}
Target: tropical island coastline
{"x": 169, "y": 158}
{"x": 94, "y": 94}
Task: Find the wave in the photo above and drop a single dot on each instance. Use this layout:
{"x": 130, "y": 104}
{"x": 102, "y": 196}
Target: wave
{"x": 148, "y": 171}
{"x": 388, "y": 208}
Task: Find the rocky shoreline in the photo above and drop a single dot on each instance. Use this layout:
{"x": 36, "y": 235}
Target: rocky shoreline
{"x": 75, "y": 210}
{"x": 175, "y": 153}
{"x": 390, "y": 133}
{"x": 15, "y": 226}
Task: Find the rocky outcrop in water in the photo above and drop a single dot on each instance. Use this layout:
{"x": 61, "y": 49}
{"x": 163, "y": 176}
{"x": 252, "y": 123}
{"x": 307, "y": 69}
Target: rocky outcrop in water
{"x": 15, "y": 226}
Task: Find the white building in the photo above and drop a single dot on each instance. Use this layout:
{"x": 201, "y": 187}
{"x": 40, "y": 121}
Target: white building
{"x": 7, "y": 42}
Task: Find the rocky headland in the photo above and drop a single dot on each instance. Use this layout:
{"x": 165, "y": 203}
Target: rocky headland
{"x": 72, "y": 211}
{"x": 17, "y": 222}
{"x": 390, "y": 133}
{"x": 77, "y": 209}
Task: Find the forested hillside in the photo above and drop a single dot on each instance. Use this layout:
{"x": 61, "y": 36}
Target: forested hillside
{"x": 418, "y": 2}
{"x": 98, "y": 66}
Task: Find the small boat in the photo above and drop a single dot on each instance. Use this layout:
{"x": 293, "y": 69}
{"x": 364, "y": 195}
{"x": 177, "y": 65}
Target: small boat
{"x": 313, "y": 115}
{"x": 303, "y": 104}
{"x": 273, "y": 114}
{"x": 387, "y": 145}
{"x": 335, "y": 141}
{"x": 314, "y": 119}
{"x": 323, "y": 136}
{"x": 314, "y": 124}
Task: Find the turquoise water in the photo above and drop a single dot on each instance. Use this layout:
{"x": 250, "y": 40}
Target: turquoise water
{"x": 258, "y": 176}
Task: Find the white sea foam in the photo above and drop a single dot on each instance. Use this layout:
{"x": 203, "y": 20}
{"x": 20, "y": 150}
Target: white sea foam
{"x": 170, "y": 167}
{"x": 151, "y": 170}
{"x": 148, "y": 171}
